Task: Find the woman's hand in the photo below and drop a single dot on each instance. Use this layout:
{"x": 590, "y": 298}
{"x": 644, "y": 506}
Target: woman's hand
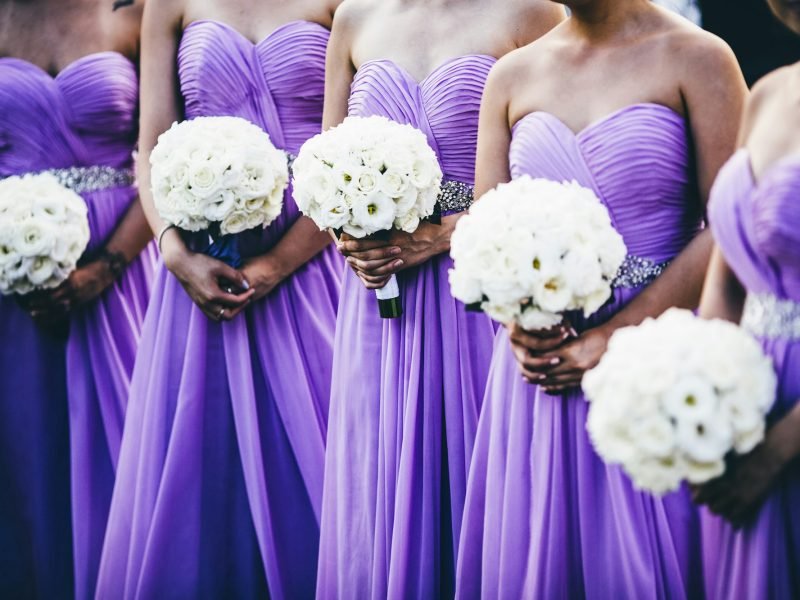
{"x": 375, "y": 261}
{"x": 740, "y": 491}
{"x": 738, "y": 494}
{"x": 570, "y": 361}
{"x": 263, "y": 273}
{"x": 220, "y": 291}
{"x": 529, "y": 346}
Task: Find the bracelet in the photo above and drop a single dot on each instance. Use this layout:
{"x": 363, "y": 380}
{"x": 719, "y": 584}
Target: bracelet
{"x": 161, "y": 233}
{"x": 115, "y": 261}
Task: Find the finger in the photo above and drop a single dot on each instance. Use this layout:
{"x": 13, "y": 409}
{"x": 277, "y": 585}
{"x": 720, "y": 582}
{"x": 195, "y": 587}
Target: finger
{"x": 375, "y": 268}
{"x": 373, "y": 283}
{"x": 535, "y": 343}
{"x": 232, "y": 313}
{"x": 537, "y": 364}
{"x": 230, "y": 300}
{"x": 348, "y": 247}
{"x": 223, "y": 271}
{"x": 382, "y": 254}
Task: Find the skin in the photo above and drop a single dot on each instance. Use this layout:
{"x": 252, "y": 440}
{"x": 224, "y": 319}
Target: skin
{"x": 770, "y": 132}
{"x": 417, "y": 35}
{"x": 666, "y": 61}
{"x": 74, "y": 29}
{"x": 208, "y": 281}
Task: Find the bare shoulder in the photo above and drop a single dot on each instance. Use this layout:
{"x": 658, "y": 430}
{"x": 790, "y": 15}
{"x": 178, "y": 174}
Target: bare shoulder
{"x": 516, "y": 71}
{"x": 350, "y": 14}
{"x": 765, "y": 97}
{"x": 699, "y": 57}
{"x": 528, "y": 20}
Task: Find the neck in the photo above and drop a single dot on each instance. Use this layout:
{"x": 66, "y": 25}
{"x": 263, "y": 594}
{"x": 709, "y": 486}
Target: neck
{"x": 604, "y": 19}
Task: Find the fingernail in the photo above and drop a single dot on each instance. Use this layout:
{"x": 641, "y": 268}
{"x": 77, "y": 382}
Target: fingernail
{"x": 398, "y": 263}
{"x": 245, "y": 284}
{"x": 573, "y": 332}
{"x": 555, "y": 361}
{"x": 395, "y": 251}
{"x": 541, "y": 377}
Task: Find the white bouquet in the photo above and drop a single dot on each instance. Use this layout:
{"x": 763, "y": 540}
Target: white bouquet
{"x": 218, "y": 173}
{"x": 44, "y": 230}
{"x": 366, "y": 176}
{"x": 532, "y": 249}
{"x": 670, "y": 398}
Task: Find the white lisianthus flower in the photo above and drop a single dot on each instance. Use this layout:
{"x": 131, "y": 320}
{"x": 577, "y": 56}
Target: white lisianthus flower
{"x": 672, "y": 366}
{"x": 527, "y": 244}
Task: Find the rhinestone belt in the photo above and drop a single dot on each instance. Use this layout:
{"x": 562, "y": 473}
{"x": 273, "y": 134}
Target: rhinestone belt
{"x": 91, "y": 179}
{"x": 455, "y": 197}
{"x": 636, "y": 272}
{"x": 766, "y": 315}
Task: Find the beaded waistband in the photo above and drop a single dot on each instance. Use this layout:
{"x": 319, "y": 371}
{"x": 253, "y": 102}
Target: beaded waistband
{"x": 455, "y": 197}
{"x": 637, "y": 271}
{"x": 92, "y": 179}
{"x": 766, "y": 315}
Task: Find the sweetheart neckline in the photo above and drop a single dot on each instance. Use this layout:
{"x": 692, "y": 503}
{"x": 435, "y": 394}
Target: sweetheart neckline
{"x": 69, "y": 66}
{"x": 769, "y": 171}
{"x": 602, "y": 120}
{"x": 243, "y": 37}
{"x": 436, "y": 70}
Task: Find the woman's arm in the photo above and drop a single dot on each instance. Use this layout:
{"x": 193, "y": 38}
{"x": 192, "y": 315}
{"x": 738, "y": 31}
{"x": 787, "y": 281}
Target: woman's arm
{"x": 714, "y": 93}
{"x": 160, "y": 105}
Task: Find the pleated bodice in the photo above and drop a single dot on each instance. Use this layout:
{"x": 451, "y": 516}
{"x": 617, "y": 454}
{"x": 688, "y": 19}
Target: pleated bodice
{"x": 444, "y": 105}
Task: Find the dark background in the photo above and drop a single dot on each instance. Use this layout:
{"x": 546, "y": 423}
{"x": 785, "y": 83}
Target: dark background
{"x": 760, "y": 41}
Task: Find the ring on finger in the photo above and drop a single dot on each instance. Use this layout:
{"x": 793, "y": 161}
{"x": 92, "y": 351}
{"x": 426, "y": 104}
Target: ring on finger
{"x": 221, "y": 313}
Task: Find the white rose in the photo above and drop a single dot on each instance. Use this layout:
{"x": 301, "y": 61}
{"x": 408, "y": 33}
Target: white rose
{"x": 235, "y": 222}
{"x": 705, "y": 440}
{"x": 41, "y": 270}
{"x": 33, "y": 239}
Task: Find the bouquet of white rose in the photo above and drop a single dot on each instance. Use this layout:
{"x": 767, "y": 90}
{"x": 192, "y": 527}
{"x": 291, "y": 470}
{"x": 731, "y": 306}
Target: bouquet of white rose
{"x": 532, "y": 249}
{"x": 220, "y": 174}
{"x": 673, "y": 396}
{"x": 44, "y": 230}
{"x": 367, "y": 176}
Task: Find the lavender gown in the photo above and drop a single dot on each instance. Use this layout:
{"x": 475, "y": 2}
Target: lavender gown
{"x": 406, "y": 393}
{"x": 59, "y": 396}
{"x": 545, "y": 517}
{"x": 756, "y": 227}
{"x": 220, "y": 477}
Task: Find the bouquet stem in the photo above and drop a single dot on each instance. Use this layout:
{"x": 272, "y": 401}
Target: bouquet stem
{"x": 389, "y": 304}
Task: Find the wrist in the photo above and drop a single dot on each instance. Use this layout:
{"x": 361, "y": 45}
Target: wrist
{"x": 114, "y": 264}
{"x": 783, "y": 439}
{"x": 173, "y": 250}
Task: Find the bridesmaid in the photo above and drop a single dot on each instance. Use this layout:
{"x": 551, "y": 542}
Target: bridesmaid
{"x": 406, "y": 393}
{"x": 544, "y": 516}
{"x": 220, "y": 477}
{"x": 68, "y": 99}
{"x": 752, "y": 549}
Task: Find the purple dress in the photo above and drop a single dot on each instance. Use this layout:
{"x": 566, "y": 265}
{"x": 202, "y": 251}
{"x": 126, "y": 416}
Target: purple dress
{"x": 62, "y": 402}
{"x": 406, "y": 392}
{"x": 755, "y": 225}
{"x": 544, "y": 516}
{"x": 220, "y": 478}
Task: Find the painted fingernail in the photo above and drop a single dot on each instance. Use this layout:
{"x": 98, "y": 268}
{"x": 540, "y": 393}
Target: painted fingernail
{"x": 245, "y": 284}
{"x": 541, "y": 377}
{"x": 573, "y": 332}
{"x": 398, "y": 263}
{"x": 555, "y": 361}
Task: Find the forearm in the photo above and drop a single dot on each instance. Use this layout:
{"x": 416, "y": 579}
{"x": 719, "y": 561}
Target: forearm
{"x": 679, "y": 286}
{"x": 302, "y": 242}
{"x": 131, "y": 235}
{"x": 784, "y": 436}
{"x": 723, "y": 295}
